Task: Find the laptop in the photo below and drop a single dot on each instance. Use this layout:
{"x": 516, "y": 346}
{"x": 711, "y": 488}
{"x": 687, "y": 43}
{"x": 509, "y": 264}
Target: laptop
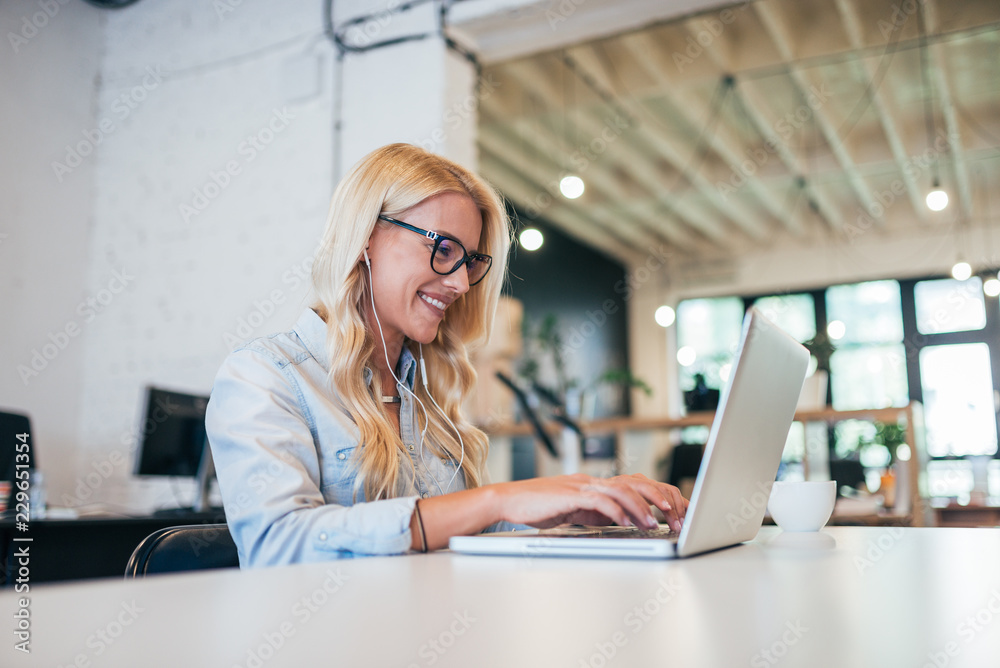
{"x": 734, "y": 480}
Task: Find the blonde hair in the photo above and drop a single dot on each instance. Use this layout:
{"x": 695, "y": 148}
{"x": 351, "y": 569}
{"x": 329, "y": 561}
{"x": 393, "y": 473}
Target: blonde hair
{"x": 389, "y": 181}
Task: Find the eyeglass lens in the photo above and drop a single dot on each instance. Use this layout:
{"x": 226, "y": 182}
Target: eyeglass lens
{"x": 449, "y": 255}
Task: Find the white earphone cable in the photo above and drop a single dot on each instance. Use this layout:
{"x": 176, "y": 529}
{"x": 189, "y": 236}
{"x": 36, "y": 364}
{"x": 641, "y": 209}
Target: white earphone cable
{"x": 423, "y": 376}
{"x": 399, "y": 384}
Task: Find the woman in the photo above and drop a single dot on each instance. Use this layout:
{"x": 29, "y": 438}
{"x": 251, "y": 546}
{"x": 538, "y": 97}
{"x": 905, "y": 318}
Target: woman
{"x": 333, "y": 439}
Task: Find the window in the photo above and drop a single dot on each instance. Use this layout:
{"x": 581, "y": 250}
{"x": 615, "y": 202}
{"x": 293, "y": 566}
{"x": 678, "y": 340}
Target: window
{"x": 936, "y": 340}
{"x": 958, "y": 400}
{"x": 796, "y": 314}
{"x": 949, "y": 306}
{"x": 868, "y": 368}
{"x": 707, "y": 333}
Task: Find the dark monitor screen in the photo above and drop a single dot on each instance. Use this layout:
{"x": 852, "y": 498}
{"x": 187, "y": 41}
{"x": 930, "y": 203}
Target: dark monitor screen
{"x": 173, "y": 434}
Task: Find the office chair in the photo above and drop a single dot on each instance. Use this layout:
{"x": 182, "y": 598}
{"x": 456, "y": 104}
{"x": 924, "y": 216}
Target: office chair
{"x": 184, "y": 548}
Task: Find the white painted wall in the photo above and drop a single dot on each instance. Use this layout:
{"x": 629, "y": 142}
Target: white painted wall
{"x": 211, "y": 194}
{"x": 191, "y": 221}
{"x": 49, "y": 65}
{"x": 228, "y": 113}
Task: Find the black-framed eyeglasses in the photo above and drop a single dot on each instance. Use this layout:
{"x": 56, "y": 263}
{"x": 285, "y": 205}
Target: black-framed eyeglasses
{"x": 449, "y": 254}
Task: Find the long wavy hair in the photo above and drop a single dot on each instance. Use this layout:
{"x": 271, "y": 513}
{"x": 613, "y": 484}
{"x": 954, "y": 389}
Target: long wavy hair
{"x": 390, "y": 181}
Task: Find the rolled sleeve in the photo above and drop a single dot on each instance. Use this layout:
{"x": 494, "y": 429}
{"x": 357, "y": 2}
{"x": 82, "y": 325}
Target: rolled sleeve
{"x": 263, "y": 442}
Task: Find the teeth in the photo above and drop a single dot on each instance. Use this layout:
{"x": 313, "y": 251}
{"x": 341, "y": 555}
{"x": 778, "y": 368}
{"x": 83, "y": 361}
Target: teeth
{"x": 434, "y": 302}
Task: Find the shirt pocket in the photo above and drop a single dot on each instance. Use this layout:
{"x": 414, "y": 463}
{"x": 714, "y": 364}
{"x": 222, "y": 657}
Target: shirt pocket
{"x": 443, "y": 470}
{"x": 340, "y": 470}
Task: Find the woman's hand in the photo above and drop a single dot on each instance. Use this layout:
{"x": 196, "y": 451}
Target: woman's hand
{"x": 582, "y": 499}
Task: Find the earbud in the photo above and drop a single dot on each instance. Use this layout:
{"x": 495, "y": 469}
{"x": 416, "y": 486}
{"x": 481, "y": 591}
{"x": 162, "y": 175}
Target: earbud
{"x": 367, "y": 261}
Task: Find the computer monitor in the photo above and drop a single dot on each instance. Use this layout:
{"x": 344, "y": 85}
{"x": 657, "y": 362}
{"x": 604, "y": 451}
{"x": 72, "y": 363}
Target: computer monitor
{"x": 174, "y": 442}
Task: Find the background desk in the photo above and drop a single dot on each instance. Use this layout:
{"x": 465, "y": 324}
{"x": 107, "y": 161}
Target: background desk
{"x": 92, "y": 547}
{"x": 851, "y": 596}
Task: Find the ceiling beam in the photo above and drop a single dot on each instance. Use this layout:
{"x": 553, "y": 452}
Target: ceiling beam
{"x": 647, "y": 231}
{"x": 513, "y": 185}
{"x": 880, "y": 103}
{"x": 643, "y": 49}
{"x": 622, "y": 154}
{"x": 753, "y": 104}
{"x": 781, "y": 35}
{"x": 669, "y": 147}
{"x": 937, "y": 60}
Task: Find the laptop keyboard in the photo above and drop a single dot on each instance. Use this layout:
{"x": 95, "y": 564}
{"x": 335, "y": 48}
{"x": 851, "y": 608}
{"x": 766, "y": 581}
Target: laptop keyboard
{"x": 579, "y": 531}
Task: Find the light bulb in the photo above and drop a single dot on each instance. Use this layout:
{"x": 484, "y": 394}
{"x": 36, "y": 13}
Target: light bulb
{"x": 571, "y": 187}
{"x": 937, "y": 200}
{"x": 686, "y": 356}
{"x": 836, "y": 329}
{"x": 664, "y": 316}
{"x": 992, "y": 287}
{"x": 961, "y": 271}
{"x": 531, "y": 239}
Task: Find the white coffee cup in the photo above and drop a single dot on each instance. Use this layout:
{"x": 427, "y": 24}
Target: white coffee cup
{"x": 802, "y": 505}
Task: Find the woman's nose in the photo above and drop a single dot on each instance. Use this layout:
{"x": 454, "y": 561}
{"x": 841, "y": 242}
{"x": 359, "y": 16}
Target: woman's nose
{"x": 458, "y": 280}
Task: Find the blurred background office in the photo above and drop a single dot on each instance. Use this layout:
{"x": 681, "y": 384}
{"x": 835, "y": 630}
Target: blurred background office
{"x": 167, "y": 167}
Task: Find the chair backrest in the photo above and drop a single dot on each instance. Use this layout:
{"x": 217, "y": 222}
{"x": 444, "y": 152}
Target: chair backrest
{"x": 184, "y": 548}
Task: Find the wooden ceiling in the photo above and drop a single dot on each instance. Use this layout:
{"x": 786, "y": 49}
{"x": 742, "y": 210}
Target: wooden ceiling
{"x": 790, "y": 120}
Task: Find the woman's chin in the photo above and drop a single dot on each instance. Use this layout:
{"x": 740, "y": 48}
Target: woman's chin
{"x": 424, "y": 336}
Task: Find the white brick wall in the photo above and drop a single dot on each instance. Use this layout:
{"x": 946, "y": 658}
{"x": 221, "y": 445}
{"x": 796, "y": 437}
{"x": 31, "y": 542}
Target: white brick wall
{"x": 208, "y": 193}
{"x": 48, "y": 71}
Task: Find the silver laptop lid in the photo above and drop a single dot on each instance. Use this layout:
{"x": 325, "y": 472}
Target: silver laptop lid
{"x": 748, "y": 435}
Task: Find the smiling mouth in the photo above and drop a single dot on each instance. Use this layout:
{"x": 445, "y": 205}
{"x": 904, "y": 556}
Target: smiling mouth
{"x": 439, "y": 305}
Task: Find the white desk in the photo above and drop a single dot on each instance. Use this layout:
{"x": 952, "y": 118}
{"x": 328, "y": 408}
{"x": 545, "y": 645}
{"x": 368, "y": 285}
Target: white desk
{"x": 851, "y": 596}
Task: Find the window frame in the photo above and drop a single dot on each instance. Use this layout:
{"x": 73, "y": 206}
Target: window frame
{"x": 913, "y": 340}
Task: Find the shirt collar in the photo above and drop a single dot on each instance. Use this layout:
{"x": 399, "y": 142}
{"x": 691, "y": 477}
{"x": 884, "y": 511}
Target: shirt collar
{"x": 311, "y": 330}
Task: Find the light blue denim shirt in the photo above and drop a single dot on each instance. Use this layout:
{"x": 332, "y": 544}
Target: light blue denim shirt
{"x": 283, "y": 452}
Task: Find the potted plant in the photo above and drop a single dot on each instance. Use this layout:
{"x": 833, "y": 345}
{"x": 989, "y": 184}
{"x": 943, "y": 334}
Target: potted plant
{"x": 889, "y": 436}
{"x": 543, "y": 356}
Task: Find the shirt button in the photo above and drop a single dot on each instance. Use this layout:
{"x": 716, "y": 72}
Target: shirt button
{"x": 341, "y": 455}
{"x": 410, "y": 447}
{"x": 322, "y": 536}
{"x": 424, "y": 495}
